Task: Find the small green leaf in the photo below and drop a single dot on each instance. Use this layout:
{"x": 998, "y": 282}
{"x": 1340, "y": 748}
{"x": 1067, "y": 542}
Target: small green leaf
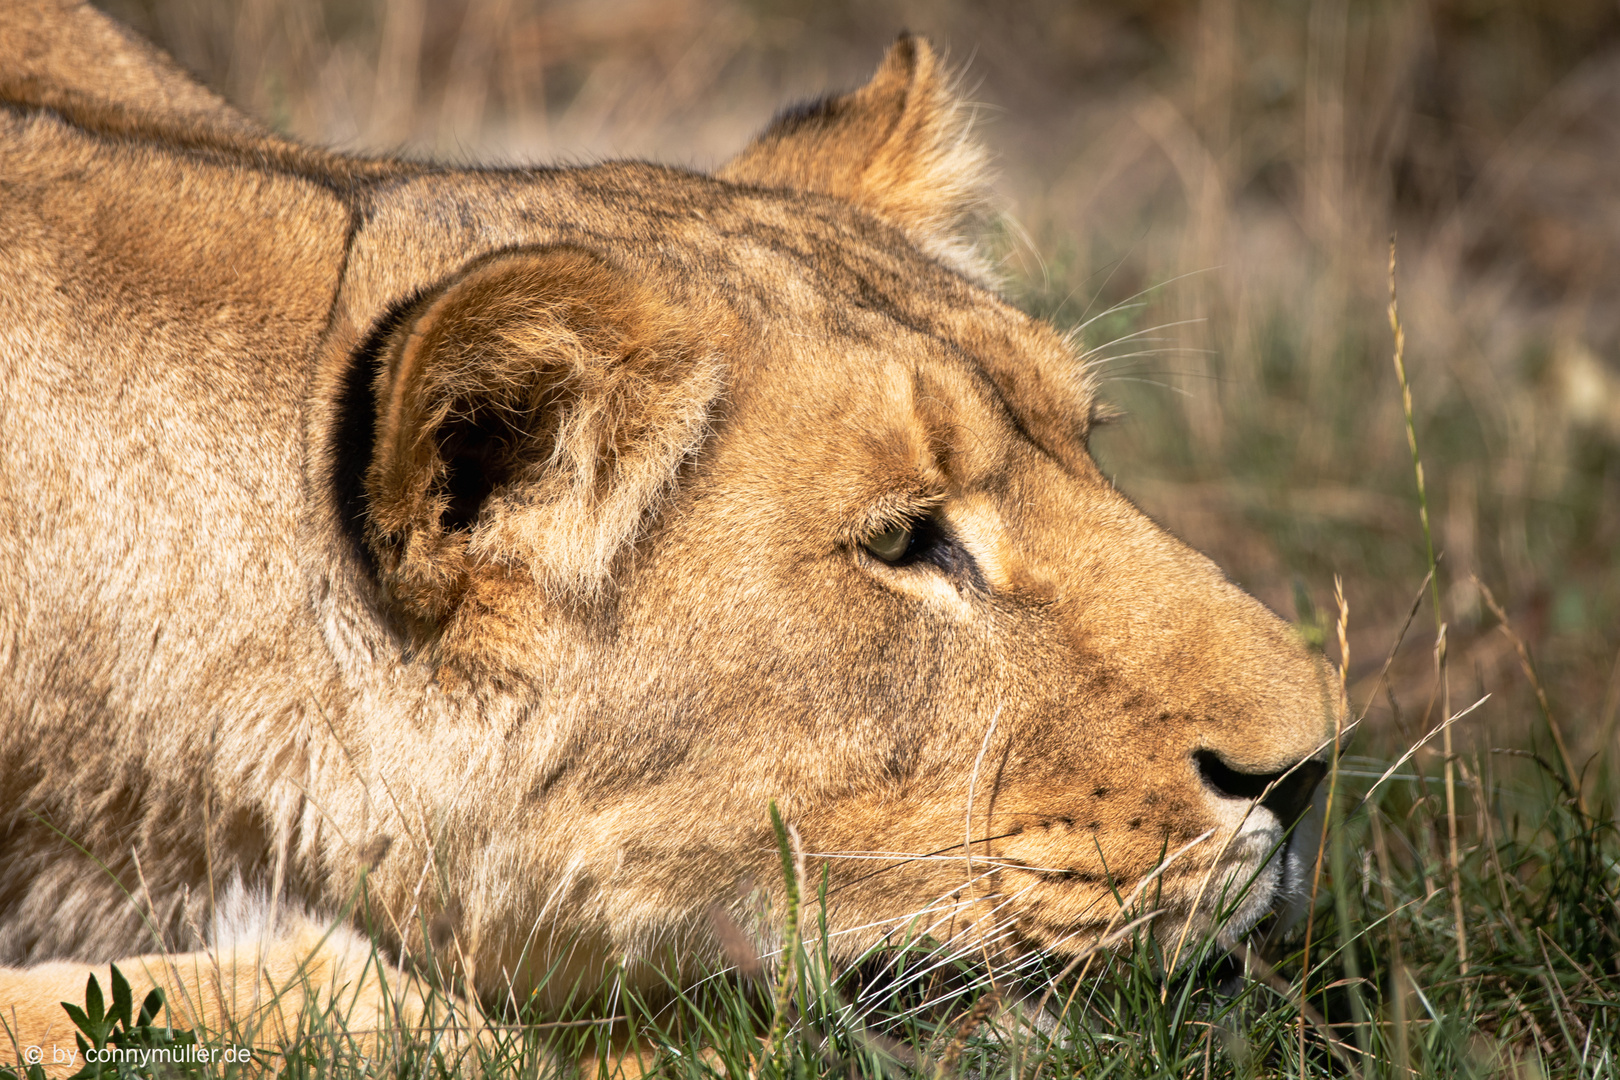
{"x": 121, "y": 998}
{"x": 76, "y": 1014}
{"x": 94, "y": 1004}
{"x": 151, "y": 1007}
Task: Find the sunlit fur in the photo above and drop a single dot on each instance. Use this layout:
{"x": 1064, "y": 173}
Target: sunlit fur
{"x": 511, "y": 522}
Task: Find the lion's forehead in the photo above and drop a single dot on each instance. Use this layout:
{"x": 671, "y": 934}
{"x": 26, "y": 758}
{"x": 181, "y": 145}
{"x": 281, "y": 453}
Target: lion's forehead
{"x": 772, "y": 276}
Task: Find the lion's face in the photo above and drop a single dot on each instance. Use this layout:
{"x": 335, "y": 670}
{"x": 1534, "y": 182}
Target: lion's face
{"x": 891, "y": 590}
{"x": 769, "y": 502}
{"x": 896, "y": 595}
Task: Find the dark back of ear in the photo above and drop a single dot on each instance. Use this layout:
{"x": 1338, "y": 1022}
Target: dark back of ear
{"x": 530, "y": 413}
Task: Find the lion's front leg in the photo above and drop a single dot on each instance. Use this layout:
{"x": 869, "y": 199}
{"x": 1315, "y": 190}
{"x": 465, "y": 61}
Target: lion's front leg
{"x": 311, "y": 985}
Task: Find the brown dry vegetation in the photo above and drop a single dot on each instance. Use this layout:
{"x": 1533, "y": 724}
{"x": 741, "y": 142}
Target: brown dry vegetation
{"x": 1250, "y": 159}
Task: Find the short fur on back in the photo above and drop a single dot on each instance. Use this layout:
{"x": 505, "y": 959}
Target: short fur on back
{"x": 512, "y": 538}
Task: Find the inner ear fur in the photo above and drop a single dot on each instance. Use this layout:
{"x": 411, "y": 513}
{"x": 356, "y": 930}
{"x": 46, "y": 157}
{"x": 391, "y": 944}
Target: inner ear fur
{"x": 899, "y": 147}
{"x": 530, "y": 417}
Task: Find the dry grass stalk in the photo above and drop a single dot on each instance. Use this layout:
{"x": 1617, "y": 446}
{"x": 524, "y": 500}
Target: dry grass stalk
{"x": 1411, "y": 432}
{"x": 1566, "y": 1012}
{"x": 1411, "y": 752}
{"x": 189, "y": 1007}
{"x": 983, "y": 1010}
{"x": 1453, "y": 852}
{"x": 1442, "y": 684}
{"x": 1343, "y": 624}
{"x": 787, "y": 837}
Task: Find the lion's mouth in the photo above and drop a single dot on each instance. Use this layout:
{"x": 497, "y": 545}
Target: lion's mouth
{"x": 1260, "y": 881}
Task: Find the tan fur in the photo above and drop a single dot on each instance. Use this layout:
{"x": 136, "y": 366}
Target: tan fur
{"x": 516, "y": 518}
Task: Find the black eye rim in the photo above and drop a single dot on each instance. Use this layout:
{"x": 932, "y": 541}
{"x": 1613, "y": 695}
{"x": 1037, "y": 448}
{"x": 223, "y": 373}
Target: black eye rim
{"x": 926, "y": 535}
{"x": 932, "y": 544}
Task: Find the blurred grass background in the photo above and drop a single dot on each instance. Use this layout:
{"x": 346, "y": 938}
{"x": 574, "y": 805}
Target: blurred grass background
{"x": 1244, "y": 162}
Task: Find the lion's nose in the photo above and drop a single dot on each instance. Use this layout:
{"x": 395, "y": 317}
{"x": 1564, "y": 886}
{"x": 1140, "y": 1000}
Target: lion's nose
{"x": 1290, "y": 789}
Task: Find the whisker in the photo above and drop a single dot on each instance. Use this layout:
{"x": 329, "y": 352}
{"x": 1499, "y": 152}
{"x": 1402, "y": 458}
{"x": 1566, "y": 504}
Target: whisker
{"x": 1151, "y": 382}
{"x": 1137, "y": 295}
{"x": 917, "y": 975}
{"x": 1138, "y": 334}
{"x": 973, "y": 779}
{"x": 1072, "y": 334}
{"x": 995, "y": 932}
{"x": 909, "y": 917}
{"x": 973, "y": 944}
{"x": 927, "y": 855}
{"x": 1177, "y": 351}
{"x": 1000, "y": 864}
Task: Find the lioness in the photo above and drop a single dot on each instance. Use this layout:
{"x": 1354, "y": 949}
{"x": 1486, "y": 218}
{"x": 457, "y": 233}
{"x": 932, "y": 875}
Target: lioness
{"x": 513, "y": 537}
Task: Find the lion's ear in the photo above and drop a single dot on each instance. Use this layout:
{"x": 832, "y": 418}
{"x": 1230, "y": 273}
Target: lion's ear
{"x": 900, "y": 147}
{"x": 531, "y": 413}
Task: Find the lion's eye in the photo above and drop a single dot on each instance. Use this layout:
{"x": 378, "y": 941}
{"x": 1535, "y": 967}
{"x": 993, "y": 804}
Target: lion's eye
{"x": 924, "y": 541}
{"x": 890, "y": 545}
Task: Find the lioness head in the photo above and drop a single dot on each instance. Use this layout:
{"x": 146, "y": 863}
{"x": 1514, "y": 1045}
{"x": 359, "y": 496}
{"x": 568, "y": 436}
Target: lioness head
{"x": 696, "y": 493}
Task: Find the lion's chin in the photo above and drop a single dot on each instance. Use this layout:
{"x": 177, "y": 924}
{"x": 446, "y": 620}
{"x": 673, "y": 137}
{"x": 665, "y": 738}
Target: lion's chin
{"x": 1265, "y": 882}
{"x": 1278, "y": 892}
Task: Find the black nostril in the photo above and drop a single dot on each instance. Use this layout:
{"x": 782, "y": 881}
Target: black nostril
{"x": 1288, "y": 799}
